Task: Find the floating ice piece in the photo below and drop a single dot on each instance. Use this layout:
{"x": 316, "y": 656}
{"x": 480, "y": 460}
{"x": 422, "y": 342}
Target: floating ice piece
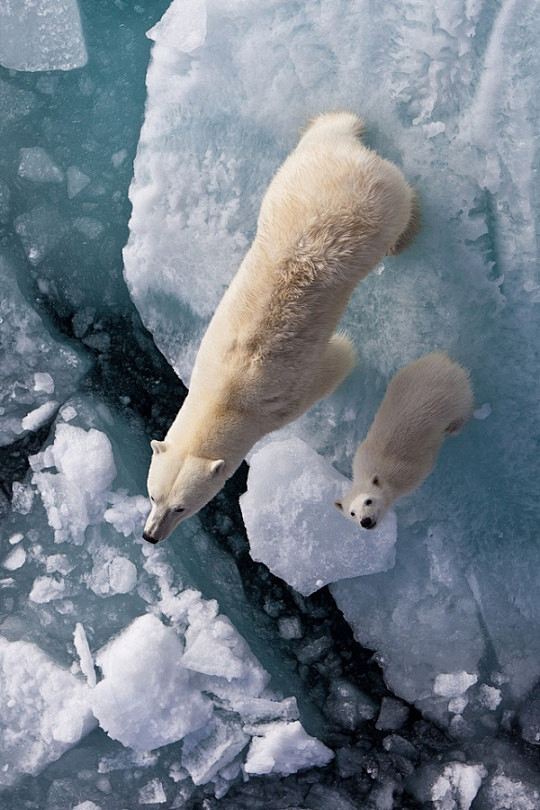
{"x": 112, "y": 573}
{"x": 285, "y": 748}
{"x": 40, "y": 416}
{"x": 214, "y": 649}
{"x": 43, "y": 382}
{"x": 127, "y": 513}
{"x": 146, "y": 699}
{"x": 36, "y": 165}
{"x": 457, "y": 786}
{"x": 75, "y": 496}
{"x": 182, "y": 27}
{"x": 40, "y": 230}
{"x": 152, "y": 793}
{"x": 85, "y": 656}
{"x": 15, "y": 560}
{"x": 41, "y": 36}
{"x": 454, "y": 684}
{"x": 76, "y": 181}
{"x": 207, "y": 751}
{"x": 47, "y": 589}
{"x": 45, "y": 710}
{"x": 294, "y": 528}
{"x": 393, "y": 714}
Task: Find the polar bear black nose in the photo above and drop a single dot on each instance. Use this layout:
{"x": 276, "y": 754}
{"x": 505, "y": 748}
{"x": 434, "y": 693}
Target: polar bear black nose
{"x": 367, "y": 523}
{"x": 149, "y": 539}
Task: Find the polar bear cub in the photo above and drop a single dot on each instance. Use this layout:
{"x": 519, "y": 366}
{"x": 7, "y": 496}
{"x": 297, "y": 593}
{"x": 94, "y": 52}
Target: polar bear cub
{"x": 331, "y": 213}
{"x": 424, "y": 401}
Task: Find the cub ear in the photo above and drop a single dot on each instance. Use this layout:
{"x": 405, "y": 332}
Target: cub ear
{"x": 158, "y": 447}
{"x": 338, "y": 504}
{"x": 216, "y": 466}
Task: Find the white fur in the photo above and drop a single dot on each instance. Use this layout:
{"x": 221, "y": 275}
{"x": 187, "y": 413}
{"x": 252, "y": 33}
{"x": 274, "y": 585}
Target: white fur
{"x": 331, "y": 213}
{"x": 425, "y": 401}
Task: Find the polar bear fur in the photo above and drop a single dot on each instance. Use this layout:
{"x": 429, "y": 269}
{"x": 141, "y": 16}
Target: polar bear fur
{"x": 331, "y": 213}
{"x": 424, "y": 402}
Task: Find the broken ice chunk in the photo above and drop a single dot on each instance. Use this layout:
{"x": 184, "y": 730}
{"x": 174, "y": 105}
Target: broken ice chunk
{"x": 46, "y": 589}
{"x": 76, "y": 181}
{"x": 112, "y": 573}
{"x": 36, "y": 165}
{"x": 85, "y": 656}
{"x": 218, "y": 652}
{"x": 457, "y": 786}
{"x": 453, "y": 684}
{"x": 152, "y": 793}
{"x": 16, "y": 559}
{"x": 41, "y": 36}
{"x": 145, "y": 699}
{"x": 208, "y": 750}
{"x": 294, "y": 528}
{"x": 45, "y": 710}
{"x": 40, "y": 231}
{"x": 43, "y": 382}
{"x": 285, "y": 748}
{"x": 40, "y": 416}
{"x": 182, "y": 27}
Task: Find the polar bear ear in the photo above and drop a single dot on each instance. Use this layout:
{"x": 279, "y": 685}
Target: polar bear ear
{"x": 338, "y": 504}
{"x": 216, "y": 466}
{"x": 158, "y": 447}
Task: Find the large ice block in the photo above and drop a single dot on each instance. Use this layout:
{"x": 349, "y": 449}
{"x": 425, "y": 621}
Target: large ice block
{"x": 294, "y": 528}
{"x": 39, "y": 36}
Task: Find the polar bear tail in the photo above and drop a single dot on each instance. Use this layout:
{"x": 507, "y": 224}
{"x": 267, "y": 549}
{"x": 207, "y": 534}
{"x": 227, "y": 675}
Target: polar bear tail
{"x": 334, "y": 124}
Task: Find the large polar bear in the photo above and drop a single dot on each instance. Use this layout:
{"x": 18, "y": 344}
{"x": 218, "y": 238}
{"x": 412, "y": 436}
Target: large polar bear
{"x": 331, "y": 213}
{"x": 425, "y": 401}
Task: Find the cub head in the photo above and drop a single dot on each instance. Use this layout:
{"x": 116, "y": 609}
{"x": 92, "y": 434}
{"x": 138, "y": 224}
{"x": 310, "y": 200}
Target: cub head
{"x": 365, "y": 503}
{"x": 178, "y": 486}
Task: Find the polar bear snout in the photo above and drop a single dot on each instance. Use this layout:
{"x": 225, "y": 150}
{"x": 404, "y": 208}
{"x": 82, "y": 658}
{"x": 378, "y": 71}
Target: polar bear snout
{"x": 367, "y": 523}
{"x": 149, "y": 538}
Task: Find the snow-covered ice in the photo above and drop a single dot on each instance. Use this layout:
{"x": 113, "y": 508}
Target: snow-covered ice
{"x": 145, "y": 699}
{"x": 45, "y": 710}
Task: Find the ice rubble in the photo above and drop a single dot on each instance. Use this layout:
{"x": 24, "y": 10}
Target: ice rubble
{"x": 193, "y": 679}
{"x": 38, "y": 372}
{"x": 33, "y": 36}
{"x": 294, "y": 528}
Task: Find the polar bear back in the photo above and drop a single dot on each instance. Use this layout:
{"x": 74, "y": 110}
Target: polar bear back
{"x": 331, "y": 213}
{"x": 424, "y": 401}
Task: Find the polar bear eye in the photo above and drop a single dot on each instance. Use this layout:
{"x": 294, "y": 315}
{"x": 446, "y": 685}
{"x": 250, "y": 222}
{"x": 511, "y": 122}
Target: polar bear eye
{"x": 180, "y": 509}
{"x": 375, "y": 480}
{"x": 368, "y": 502}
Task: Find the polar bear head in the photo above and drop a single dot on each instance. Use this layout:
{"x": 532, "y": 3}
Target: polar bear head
{"x": 178, "y": 485}
{"x": 366, "y": 503}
